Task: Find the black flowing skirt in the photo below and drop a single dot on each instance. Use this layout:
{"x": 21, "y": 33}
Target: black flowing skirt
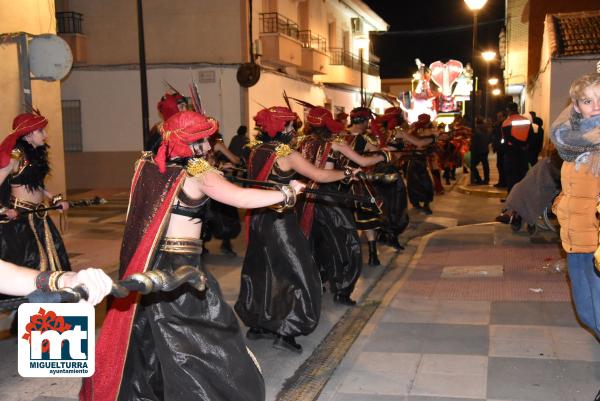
{"x": 418, "y": 181}
{"x": 280, "y": 287}
{"x": 223, "y": 221}
{"x": 395, "y": 202}
{"x": 30, "y": 240}
{"x": 187, "y": 345}
{"x": 337, "y": 246}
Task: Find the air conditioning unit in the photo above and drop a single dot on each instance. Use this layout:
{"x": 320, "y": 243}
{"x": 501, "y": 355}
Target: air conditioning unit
{"x": 357, "y": 25}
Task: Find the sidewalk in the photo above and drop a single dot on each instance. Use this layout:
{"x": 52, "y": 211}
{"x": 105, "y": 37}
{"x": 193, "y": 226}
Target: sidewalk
{"x": 479, "y": 314}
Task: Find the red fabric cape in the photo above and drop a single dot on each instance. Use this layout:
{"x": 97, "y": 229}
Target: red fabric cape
{"x": 319, "y": 160}
{"x": 152, "y": 195}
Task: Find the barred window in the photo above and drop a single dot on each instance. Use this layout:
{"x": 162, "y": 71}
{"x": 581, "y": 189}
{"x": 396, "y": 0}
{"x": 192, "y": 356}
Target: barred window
{"x": 71, "y": 116}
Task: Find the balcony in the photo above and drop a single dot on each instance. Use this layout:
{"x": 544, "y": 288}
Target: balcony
{"x": 314, "y": 53}
{"x": 280, "y": 37}
{"x": 69, "y": 26}
{"x": 344, "y": 69}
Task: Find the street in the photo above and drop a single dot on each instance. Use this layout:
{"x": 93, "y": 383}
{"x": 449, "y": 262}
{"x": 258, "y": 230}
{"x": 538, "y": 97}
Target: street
{"x": 468, "y": 311}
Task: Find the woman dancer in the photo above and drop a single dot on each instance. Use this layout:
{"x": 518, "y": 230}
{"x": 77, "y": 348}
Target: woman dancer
{"x": 185, "y": 344}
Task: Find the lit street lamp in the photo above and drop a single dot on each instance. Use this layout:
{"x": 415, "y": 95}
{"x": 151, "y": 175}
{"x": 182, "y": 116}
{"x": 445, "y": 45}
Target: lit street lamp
{"x": 493, "y": 81}
{"x": 474, "y": 6}
{"x": 488, "y": 56}
{"x": 496, "y": 92}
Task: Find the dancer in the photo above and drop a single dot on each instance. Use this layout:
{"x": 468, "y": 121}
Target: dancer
{"x": 185, "y": 344}
{"x": 329, "y": 223}
{"x": 280, "y": 292}
{"x": 31, "y": 240}
{"x": 368, "y": 217}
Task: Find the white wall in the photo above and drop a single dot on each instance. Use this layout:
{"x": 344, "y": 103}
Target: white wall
{"x": 268, "y": 92}
{"x": 564, "y": 72}
{"x": 111, "y": 108}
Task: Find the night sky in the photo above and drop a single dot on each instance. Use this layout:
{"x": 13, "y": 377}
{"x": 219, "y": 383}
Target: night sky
{"x": 410, "y": 36}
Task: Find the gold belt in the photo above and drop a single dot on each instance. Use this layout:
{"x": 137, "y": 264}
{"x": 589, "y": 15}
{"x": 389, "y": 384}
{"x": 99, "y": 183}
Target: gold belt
{"x": 48, "y": 256}
{"x": 23, "y": 204}
{"x": 181, "y": 245}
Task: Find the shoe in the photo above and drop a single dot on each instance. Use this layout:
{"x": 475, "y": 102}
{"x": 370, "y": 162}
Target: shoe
{"x": 502, "y": 200}
{"x": 516, "y": 222}
{"x": 503, "y": 218}
{"x": 500, "y": 185}
{"x": 597, "y": 397}
{"x": 255, "y": 333}
{"x": 226, "y": 249}
{"x": 287, "y": 343}
{"x": 426, "y": 209}
{"x": 373, "y": 259}
{"x": 343, "y": 299}
{"x": 394, "y": 243}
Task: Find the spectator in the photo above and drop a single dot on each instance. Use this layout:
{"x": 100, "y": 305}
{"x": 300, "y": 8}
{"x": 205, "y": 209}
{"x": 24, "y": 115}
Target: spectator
{"x": 516, "y": 130}
{"x": 236, "y": 146}
{"x": 576, "y": 135}
{"x": 498, "y": 148}
{"x": 536, "y": 140}
{"x": 479, "y": 153}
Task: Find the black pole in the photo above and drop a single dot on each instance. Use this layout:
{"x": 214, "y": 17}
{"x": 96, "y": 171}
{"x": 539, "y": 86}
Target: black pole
{"x": 143, "y": 78}
{"x": 362, "y": 86}
{"x": 473, "y": 55}
{"x": 487, "y": 87}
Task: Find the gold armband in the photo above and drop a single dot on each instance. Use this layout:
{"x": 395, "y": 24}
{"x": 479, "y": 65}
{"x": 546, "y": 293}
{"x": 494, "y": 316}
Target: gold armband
{"x": 253, "y": 143}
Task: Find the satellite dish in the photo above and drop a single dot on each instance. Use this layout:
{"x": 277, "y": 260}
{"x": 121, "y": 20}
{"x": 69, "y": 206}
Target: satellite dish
{"x": 248, "y": 74}
{"x": 50, "y": 57}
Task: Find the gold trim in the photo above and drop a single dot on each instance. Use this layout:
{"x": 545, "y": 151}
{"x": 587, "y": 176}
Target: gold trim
{"x": 252, "y": 143}
{"x": 181, "y": 245}
{"x": 198, "y": 166}
{"x": 283, "y": 150}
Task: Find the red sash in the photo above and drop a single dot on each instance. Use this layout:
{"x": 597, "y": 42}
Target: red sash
{"x": 152, "y": 195}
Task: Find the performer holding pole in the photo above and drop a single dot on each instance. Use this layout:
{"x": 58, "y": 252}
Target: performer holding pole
{"x": 280, "y": 292}
{"x": 185, "y": 344}
{"x": 32, "y": 241}
{"x": 328, "y": 222}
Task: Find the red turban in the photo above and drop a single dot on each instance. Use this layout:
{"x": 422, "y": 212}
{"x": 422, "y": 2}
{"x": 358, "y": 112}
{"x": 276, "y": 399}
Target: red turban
{"x": 321, "y": 117}
{"x": 274, "y": 119}
{"x": 168, "y": 104}
{"x": 23, "y": 124}
{"x": 361, "y": 114}
{"x": 181, "y": 130}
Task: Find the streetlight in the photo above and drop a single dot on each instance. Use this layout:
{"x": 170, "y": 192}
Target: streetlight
{"x": 488, "y": 56}
{"x": 493, "y": 81}
{"x": 474, "y": 6}
{"x": 496, "y": 92}
{"x": 361, "y": 42}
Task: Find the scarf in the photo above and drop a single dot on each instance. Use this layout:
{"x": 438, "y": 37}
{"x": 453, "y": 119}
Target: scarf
{"x": 577, "y": 139}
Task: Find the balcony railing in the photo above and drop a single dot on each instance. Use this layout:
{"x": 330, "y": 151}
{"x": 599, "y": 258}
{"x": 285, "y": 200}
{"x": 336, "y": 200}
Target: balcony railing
{"x": 69, "y": 22}
{"x": 338, "y": 56}
{"x": 277, "y": 23}
{"x": 312, "y": 40}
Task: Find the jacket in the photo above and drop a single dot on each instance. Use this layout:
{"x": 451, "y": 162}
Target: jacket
{"x": 575, "y": 208}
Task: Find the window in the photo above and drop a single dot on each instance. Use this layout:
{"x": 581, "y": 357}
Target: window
{"x": 71, "y": 114}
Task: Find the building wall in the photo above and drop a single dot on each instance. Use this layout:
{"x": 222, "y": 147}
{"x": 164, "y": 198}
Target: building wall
{"x": 111, "y": 115}
{"x": 517, "y": 36}
{"x": 537, "y": 11}
{"x": 564, "y": 72}
{"x": 33, "y": 17}
{"x": 191, "y": 39}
